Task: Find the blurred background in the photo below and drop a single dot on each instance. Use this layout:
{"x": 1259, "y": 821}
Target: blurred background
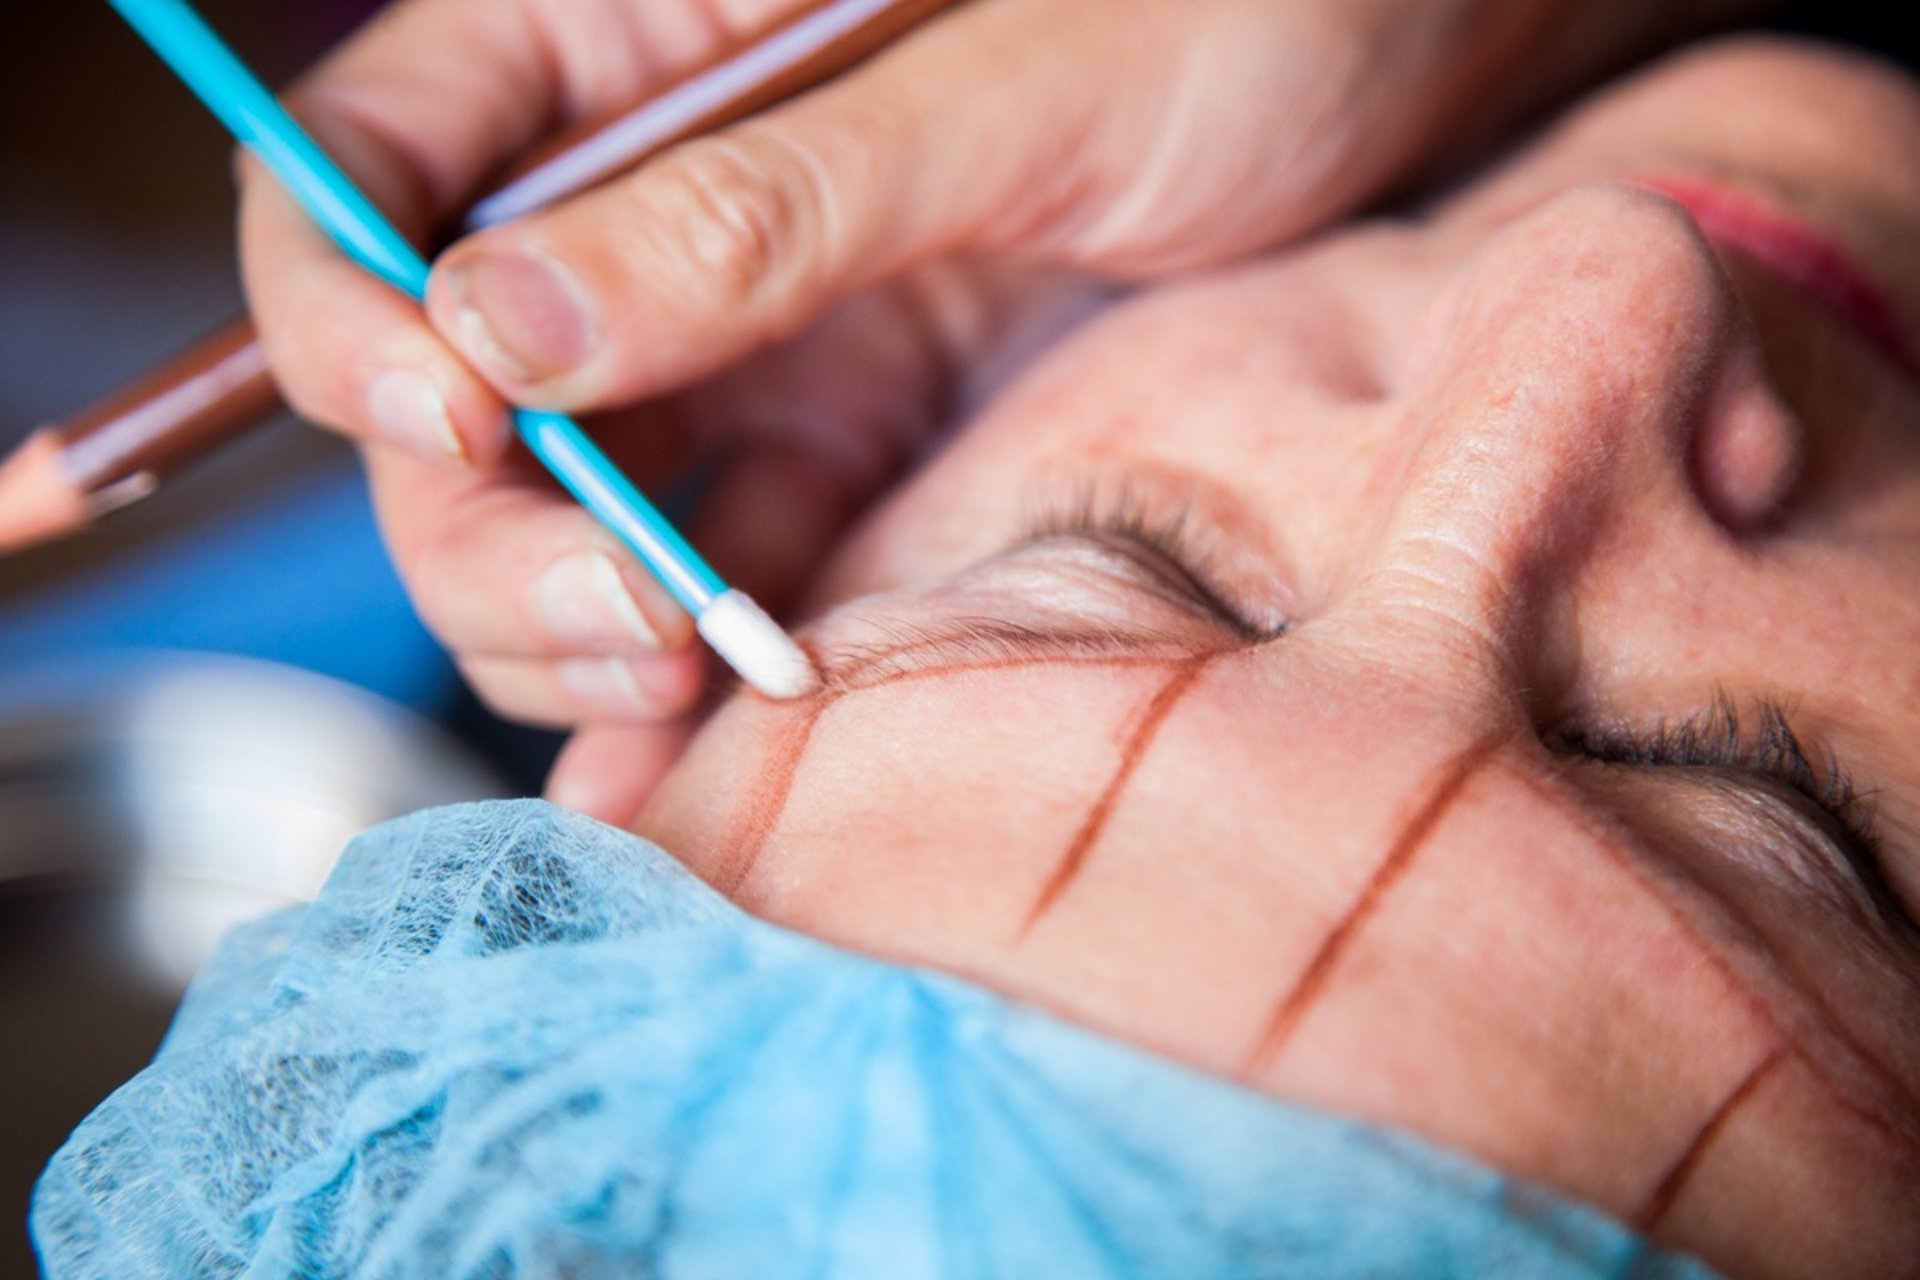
{"x": 203, "y": 698}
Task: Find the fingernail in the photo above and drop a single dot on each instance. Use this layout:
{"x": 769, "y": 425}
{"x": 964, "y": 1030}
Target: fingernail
{"x": 408, "y": 409}
{"x": 611, "y": 684}
{"x": 524, "y": 314}
{"x": 583, "y": 599}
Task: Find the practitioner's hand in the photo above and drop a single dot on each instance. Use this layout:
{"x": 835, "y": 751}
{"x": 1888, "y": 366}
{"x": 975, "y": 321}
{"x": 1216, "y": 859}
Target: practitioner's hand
{"x": 1121, "y": 137}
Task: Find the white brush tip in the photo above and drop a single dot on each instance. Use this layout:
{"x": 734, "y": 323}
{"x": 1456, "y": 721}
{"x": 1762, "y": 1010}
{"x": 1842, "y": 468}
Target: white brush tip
{"x": 754, "y": 645}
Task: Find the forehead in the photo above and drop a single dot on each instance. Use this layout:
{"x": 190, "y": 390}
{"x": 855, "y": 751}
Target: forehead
{"x": 1179, "y": 852}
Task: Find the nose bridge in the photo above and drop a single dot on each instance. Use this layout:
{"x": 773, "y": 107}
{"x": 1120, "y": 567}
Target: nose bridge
{"x": 1581, "y": 347}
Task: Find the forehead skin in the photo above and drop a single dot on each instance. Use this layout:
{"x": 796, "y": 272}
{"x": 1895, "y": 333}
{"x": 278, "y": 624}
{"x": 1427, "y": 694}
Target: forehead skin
{"x": 1341, "y": 864}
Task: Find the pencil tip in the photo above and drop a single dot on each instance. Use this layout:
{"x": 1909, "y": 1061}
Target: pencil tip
{"x": 37, "y": 501}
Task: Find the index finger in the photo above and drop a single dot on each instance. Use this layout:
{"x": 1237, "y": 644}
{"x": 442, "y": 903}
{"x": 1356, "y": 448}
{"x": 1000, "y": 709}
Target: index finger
{"x": 420, "y": 108}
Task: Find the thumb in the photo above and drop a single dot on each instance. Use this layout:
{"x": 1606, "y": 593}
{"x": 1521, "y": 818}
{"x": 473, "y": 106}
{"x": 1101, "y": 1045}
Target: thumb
{"x": 994, "y": 128}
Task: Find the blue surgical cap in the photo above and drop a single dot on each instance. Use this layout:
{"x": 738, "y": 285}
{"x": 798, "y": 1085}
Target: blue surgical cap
{"x": 509, "y": 1042}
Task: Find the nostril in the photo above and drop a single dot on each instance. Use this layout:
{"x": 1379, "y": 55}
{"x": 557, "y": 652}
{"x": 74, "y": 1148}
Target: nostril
{"x": 1748, "y": 452}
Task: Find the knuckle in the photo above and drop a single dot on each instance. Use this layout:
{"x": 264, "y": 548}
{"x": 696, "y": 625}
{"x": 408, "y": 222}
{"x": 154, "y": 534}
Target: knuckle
{"x": 740, "y": 216}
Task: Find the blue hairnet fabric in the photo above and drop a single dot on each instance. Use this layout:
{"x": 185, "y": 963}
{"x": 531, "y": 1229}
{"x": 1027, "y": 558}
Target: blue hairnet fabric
{"x": 510, "y": 1042}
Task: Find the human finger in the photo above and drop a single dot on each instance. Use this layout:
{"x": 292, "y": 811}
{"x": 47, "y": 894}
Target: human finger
{"x": 597, "y": 688}
{"x": 731, "y": 243}
{"x": 419, "y": 108}
{"x": 607, "y": 771}
{"x": 503, "y": 564}
{"x": 997, "y": 129}
{"x": 350, "y": 352}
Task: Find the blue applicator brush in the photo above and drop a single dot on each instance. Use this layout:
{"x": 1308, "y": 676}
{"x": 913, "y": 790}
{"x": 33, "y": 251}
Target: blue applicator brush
{"x": 737, "y": 628}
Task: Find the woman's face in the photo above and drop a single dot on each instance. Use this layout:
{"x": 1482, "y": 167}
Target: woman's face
{"x": 1415, "y": 675}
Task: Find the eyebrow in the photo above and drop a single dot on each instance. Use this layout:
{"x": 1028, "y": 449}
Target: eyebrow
{"x": 961, "y": 643}
{"x": 1162, "y": 547}
{"x": 1450, "y": 783}
{"x": 1881, "y": 1115}
{"x": 990, "y": 644}
{"x": 865, "y": 671}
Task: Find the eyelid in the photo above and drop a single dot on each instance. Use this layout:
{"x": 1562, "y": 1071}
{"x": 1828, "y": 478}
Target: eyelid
{"x": 1855, "y": 853}
{"x": 1156, "y": 568}
{"x": 1774, "y": 767}
{"x": 1163, "y": 538}
{"x": 1058, "y": 596}
{"x": 1069, "y": 585}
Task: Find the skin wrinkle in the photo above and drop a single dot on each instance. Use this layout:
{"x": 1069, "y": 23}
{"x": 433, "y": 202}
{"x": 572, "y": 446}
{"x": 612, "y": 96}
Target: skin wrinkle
{"x": 1889, "y": 1125}
{"x": 1292, "y": 1007}
{"x": 1135, "y": 748}
{"x": 1668, "y": 1188}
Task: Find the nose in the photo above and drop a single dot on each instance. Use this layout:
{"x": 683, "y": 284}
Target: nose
{"x": 1596, "y": 378}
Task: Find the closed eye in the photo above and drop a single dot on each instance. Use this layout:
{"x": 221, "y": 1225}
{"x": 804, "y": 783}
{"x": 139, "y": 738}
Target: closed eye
{"x": 1098, "y": 574}
{"x": 1163, "y": 538}
{"x": 1812, "y": 783}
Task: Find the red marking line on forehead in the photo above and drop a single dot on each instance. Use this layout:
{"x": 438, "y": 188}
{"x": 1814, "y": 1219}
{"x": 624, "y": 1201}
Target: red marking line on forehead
{"x": 1667, "y": 1189}
{"x": 1158, "y": 708}
{"x": 769, "y": 800}
{"x": 1450, "y": 781}
{"x": 1903, "y": 1132}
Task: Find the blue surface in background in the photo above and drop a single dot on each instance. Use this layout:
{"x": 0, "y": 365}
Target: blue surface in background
{"x": 301, "y": 579}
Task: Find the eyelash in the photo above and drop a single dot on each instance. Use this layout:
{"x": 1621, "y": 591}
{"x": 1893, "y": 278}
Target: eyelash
{"x": 1153, "y": 537}
{"x": 1157, "y": 536}
{"x": 1718, "y": 738}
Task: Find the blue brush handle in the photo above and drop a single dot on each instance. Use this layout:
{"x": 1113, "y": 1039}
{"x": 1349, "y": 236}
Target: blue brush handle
{"x": 203, "y": 61}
